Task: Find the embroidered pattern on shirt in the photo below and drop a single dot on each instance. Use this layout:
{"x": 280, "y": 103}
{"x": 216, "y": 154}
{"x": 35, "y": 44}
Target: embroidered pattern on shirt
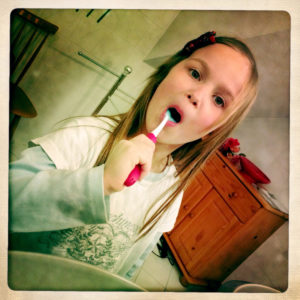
{"x": 100, "y": 245}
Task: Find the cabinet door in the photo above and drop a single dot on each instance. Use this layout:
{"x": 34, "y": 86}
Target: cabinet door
{"x": 234, "y": 192}
{"x": 208, "y": 226}
{"x": 196, "y": 190}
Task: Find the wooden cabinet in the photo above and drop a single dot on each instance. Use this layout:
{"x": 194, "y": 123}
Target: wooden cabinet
{"x": 222, "y": 220}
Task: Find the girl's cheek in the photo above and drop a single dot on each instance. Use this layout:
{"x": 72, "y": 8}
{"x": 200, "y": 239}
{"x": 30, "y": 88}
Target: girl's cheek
{"x": 168, "y": 87}
{"x": 204, "y": 122}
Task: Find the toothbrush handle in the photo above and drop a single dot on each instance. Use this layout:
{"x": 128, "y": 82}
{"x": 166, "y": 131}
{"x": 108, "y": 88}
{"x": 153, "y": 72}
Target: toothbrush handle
{"x": 137, "y": 170}
{"x": 152, "y": 137}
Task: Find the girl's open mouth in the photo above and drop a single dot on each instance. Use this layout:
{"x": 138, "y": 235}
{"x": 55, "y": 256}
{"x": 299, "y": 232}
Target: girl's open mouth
{"x": 176, "y": 115}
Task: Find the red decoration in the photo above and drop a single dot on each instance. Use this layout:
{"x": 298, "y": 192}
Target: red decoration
{"x": 212, "y": 38}
{"x": 203, "y": 40}
{"x": 247, "y": 177}
{"x": 253, "y": 171}
{"x": 246, "y": 168}
{"x": 231, "y": 145}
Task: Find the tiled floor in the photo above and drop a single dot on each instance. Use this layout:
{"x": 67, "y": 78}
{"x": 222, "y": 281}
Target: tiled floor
{"x": 266, "y": 266}
{"x": 157, "y": 274}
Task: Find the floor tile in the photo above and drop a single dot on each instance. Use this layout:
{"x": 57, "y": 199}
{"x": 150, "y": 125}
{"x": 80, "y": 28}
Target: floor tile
{"x": 160, "y": 268}
{"x": 148, "y": 282}
{"x": 173, "y": 284}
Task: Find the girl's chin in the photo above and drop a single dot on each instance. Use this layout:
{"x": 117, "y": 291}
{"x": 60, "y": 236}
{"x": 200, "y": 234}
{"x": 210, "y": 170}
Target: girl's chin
{"x": 174, "y": 142}
{"x": 167, "y": 140}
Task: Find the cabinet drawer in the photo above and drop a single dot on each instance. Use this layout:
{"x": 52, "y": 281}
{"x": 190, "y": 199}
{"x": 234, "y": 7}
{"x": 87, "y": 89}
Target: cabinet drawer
{"x": 196, "y": 190}
{"x": 240, "y": 200}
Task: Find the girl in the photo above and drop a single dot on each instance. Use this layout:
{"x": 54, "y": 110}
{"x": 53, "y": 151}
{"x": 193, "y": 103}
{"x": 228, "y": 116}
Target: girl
{"x": 67, "y": 193}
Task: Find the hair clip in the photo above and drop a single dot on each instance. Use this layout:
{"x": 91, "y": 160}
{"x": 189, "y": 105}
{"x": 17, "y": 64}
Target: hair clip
{"x": 205, "y": 39}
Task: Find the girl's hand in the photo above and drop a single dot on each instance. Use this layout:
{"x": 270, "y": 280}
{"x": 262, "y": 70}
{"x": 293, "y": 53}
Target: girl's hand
{"x": 123, "y": 158}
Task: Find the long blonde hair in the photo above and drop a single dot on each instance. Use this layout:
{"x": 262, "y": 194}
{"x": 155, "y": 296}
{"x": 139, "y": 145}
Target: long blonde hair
{"x": 191, "y": 156}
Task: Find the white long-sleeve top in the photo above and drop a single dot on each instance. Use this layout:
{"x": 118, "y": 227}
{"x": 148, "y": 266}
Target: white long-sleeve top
{"x": 57, "y": 203}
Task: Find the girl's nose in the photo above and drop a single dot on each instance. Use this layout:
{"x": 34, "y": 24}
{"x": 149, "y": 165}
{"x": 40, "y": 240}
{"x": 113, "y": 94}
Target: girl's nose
{"x": 193, "y": 100}
{"x": 198, "y": 96}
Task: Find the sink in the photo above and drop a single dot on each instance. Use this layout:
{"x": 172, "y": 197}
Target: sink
{"x": 35, "y": 271}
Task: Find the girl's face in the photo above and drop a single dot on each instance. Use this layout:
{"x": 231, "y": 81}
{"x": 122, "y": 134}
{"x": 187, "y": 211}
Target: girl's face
{"x": 200, "y": 88}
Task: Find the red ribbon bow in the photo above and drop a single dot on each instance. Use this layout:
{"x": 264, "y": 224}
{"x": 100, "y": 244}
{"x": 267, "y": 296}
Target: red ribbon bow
{"x": 205, "y": 39}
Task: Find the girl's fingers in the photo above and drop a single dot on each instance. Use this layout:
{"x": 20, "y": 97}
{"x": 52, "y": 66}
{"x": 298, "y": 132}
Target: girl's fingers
{"x": 123, "y": 158}
{"x": 145, "y": 148}
{"x": 146, "y": 167}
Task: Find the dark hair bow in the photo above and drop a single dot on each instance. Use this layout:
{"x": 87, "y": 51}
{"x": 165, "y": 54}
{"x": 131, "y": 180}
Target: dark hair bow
{"x": 205, "y": 39}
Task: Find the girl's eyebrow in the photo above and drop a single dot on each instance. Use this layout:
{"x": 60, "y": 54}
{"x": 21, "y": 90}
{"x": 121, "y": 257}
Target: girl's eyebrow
{"x": 206, "y": 71}
{"x": 225, "y": 91}
{"x": 203, "y": 64}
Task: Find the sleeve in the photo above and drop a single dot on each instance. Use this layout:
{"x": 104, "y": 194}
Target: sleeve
{"x": 44, "y": 198}
{"x": 76, "y": 143}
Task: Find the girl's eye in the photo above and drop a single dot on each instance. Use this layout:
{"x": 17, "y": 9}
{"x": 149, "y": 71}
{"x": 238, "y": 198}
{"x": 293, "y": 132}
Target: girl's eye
{"x": 219, "y": 101}
{"x": 195, "y": 74}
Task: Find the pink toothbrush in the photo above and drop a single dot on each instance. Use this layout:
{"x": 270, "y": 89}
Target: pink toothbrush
{"x": 136, "y": 172}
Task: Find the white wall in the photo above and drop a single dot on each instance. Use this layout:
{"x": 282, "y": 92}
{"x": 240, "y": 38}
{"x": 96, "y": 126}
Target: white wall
{"x": 60, "y": 83}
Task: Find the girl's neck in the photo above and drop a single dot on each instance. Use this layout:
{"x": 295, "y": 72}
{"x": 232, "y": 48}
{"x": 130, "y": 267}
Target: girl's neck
{"x": 161, "y": 157}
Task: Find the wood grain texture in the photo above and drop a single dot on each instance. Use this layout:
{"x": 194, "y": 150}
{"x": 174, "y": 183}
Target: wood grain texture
{"x": 222, "y": 220}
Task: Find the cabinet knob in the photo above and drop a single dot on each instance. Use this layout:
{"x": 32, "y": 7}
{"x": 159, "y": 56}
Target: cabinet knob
{"x": 233, "y": 194}
{"x": 185, "y": 207}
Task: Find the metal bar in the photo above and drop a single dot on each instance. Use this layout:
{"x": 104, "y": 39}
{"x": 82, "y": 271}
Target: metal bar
{"x": 106, "y": 69}
{"x": 127, "y": 70}
{"x": 97, "y": 64}
{"x": 126, "y": 100}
